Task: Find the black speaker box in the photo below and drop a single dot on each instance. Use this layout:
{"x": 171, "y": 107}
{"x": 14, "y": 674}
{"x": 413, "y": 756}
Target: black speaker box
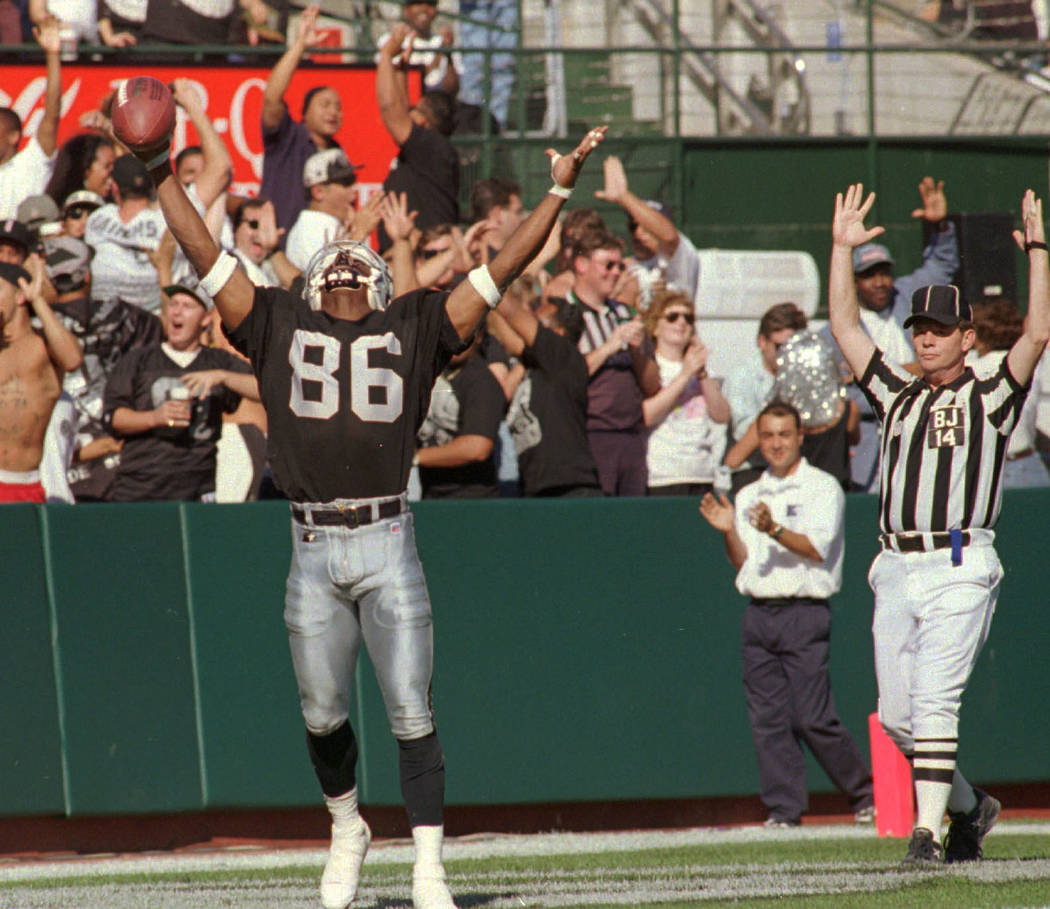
{"x": 987, "y": 255}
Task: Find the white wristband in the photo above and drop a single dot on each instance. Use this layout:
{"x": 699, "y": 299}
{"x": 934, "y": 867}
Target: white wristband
{"x": 558, "y": 190}
{"x": 221, "y": 272}
{"x": 484, "y": 285}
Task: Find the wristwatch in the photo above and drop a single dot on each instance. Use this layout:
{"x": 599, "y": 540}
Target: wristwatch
{"x": 776, "y": 530}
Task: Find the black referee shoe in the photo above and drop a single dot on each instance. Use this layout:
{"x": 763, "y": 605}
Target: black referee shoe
{"x": 966, "y": 832}
{"x": 923, "y": 850}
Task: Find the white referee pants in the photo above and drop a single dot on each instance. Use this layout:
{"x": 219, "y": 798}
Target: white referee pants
{"x": 931, "y": 620}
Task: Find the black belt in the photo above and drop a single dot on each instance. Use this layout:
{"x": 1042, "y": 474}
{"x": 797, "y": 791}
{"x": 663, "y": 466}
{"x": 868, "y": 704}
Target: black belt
{"x": 920, "y": 542}
{"x": 788, "y": 601}
{"x": 350, "y": 516}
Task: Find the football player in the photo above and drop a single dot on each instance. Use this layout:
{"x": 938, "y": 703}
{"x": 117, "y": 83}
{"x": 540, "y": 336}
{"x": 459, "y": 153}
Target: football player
{"x": 346, "y": 374}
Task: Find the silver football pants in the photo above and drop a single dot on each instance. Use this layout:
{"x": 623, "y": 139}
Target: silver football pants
{"x": 366, "y": 584}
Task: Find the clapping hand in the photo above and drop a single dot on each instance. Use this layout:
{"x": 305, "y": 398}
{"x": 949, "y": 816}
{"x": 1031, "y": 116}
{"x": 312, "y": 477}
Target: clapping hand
{"x": 718, "y": 512}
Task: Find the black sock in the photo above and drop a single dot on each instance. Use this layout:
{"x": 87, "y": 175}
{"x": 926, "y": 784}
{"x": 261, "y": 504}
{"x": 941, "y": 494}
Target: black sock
{"x": 423, "y": 780}
{"x": 335, "y": 759}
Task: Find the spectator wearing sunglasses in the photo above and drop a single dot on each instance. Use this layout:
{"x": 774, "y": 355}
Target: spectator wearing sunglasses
{"x": 256, "y": 239}
{"x": 75, "y": 211}
{"x": 622, "y": 370}
{"x": 687, "y": 417}
{"x": 749, "y": 385}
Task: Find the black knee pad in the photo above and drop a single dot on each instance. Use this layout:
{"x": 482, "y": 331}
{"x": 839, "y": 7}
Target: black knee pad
{"x": 335, "y": 759}
{"x": 423, "y": 780}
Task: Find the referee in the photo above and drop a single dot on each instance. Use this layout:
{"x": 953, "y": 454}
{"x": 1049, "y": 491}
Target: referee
{"x": 937, "y": 577}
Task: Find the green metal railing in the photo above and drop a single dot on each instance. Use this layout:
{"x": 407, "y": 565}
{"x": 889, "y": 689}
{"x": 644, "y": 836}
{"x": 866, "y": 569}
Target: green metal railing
{"x": 663, "y": 123}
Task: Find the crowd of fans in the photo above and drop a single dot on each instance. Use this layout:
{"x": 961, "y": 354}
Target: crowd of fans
{"x": 590, "y": 378}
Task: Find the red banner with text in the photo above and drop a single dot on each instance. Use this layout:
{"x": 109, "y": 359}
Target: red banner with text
{"x": 233, "y": 100}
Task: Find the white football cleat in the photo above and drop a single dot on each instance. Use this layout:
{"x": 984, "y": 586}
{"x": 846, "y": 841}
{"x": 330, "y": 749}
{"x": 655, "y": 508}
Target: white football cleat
{"x": 429, "y": 890}
{"x": 342, "y": 871}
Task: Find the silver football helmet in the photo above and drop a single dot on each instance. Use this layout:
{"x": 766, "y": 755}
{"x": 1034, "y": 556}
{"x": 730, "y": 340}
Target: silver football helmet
{"x": 347, "y": 263}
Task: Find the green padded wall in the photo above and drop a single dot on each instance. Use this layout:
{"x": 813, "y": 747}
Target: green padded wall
{"x": 123, "y": 648}
{"x": 254, "y": 751}
{"x": 585, "y": 650}
{"x": 30, "y": 740}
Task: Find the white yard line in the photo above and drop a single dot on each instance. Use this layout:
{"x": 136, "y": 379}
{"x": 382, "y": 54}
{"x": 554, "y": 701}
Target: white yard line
{"x": 475, "y": 846}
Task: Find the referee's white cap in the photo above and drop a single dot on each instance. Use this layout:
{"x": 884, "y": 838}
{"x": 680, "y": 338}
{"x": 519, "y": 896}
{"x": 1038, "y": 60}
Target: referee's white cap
{"x": 942, "y": 303}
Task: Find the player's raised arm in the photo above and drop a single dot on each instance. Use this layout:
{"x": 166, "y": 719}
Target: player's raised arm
{"x": 143, "y": 119}
{"x": 847, "y": 232}
{"x": 1028, "y": 348}
{"x": 221, "y": 277}
{"x": 467, "y": 303}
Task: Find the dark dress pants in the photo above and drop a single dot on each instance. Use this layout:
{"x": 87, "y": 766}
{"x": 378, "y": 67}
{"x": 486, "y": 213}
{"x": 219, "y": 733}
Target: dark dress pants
{"x": 785, "y": 668}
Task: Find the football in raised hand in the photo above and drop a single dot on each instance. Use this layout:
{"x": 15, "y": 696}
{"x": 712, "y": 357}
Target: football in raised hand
{"x": 143, "y": 112}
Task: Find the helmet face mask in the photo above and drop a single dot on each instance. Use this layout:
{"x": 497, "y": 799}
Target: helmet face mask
{"x": 348, "y": 264}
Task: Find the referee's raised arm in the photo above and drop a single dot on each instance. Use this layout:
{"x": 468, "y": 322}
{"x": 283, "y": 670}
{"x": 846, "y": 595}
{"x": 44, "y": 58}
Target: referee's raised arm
{"x": 847, "y": 232}
{"x": 1028, "y": 348}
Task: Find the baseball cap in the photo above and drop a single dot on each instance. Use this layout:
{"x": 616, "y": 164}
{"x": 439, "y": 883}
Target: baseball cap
{"x": 67, "y": 261}
{"x": 36, "y": 210}
{"x": 83, "y": 197}
{"x": 11, "y": 273}
{"x": 869, "y": 255}
{"x": 15, "y": 232}
{"x": 199, "y": 295}
{"x": 130, "y": 175}
{"x": 941, "y": 302}
{"x": 329, "y": 166}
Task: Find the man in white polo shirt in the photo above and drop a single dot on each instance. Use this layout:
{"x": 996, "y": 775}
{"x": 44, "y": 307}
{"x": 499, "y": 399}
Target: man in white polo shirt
{"x": 785, "y": 538}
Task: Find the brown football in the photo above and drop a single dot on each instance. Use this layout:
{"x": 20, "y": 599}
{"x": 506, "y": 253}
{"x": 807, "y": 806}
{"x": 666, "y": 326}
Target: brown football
{"x": 143, "y": 112}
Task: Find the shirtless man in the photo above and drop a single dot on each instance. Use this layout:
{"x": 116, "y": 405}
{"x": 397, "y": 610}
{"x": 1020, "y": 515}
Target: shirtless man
{"x": 32, "y": 364}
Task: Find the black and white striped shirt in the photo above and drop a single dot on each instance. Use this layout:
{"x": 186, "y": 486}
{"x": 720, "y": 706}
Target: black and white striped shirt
{"x": 598, "y": 326}
{"x": 942, "y": 447}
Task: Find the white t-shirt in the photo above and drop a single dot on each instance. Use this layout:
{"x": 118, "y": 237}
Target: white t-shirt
{"x": 680, "y": 272}
{"x": 81, "y": 14}
{"x": 888, "y": 335}
{"x": 311, "y": 231}
{"x": 26, "y": 174}
{"x": 260, "y": 276}
{"x": 688, "y": 445}
{"x": 58, "y": 451}
{"x": 807, "y": 501}
{"x": 121, "y": 267}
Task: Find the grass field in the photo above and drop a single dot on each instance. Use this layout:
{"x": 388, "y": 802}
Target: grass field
{"x": 831, "y": 866}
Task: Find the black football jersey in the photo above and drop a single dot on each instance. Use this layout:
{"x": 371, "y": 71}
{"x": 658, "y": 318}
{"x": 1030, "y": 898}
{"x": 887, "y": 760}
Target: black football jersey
{"x": 344, "y": 399}
{"x": 168, "y": 463}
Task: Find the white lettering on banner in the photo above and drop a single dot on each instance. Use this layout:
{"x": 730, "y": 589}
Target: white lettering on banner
{"x": 25, "y": 104}
{"x": 236, "y": 125}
